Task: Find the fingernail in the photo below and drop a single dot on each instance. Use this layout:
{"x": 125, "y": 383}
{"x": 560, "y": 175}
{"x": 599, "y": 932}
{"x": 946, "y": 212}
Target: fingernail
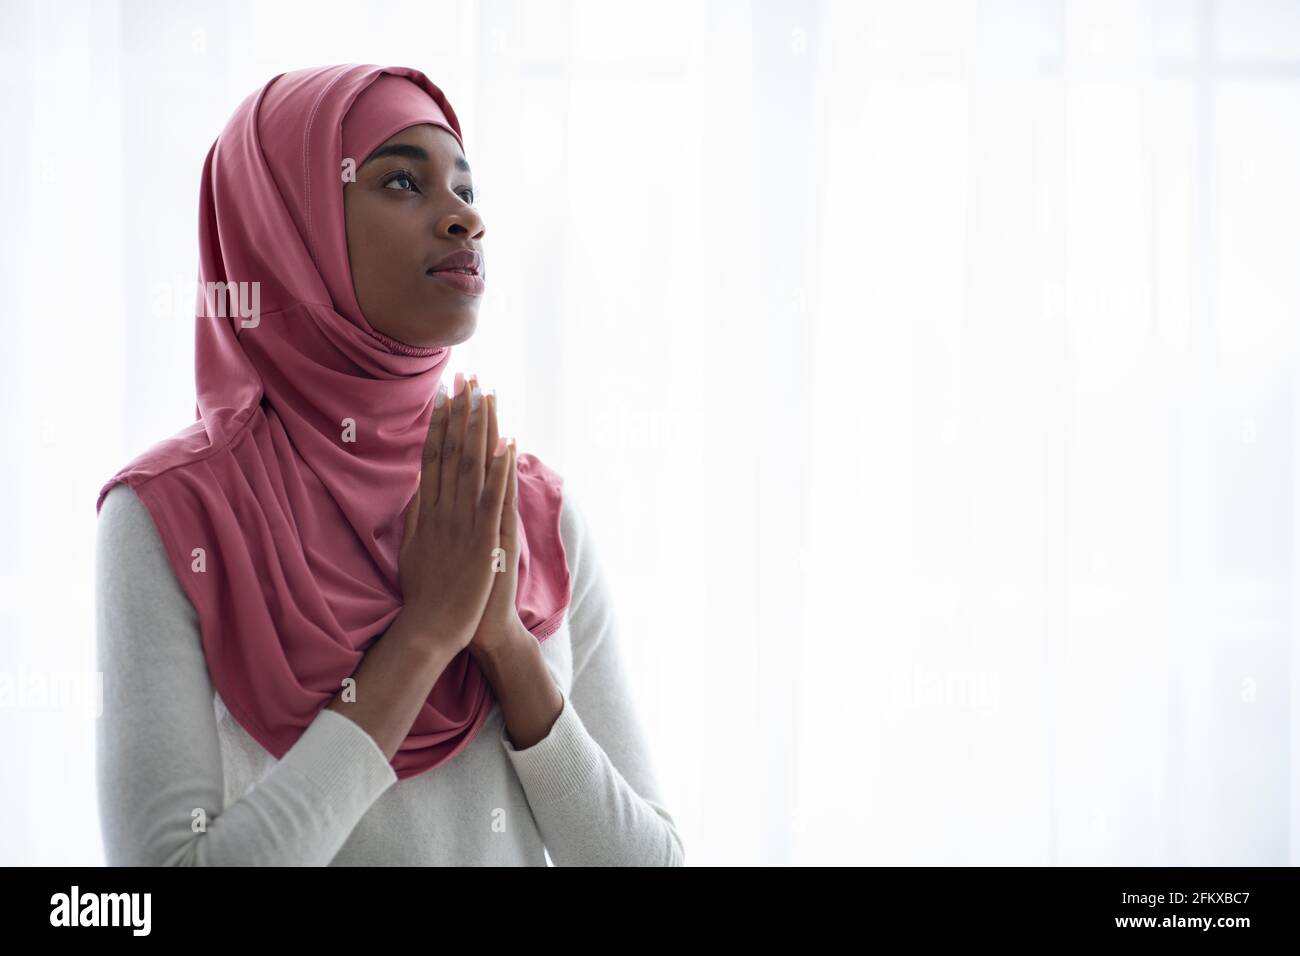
{"x": 475, "y": 396}
{"x": 458, "y": 384}
{"x": 501, "y": 447}
{"x": 441, "y": 398}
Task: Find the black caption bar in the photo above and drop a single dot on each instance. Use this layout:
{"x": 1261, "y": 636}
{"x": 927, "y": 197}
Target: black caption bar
{"x": 1227, "y": 904}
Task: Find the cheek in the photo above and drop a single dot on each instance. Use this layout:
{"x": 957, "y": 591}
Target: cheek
{"x": 387, "y": 237}
{"x": 366, "y": 251}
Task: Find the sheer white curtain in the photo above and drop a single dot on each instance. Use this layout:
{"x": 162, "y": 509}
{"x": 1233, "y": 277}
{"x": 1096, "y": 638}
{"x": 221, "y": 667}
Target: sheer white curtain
{"x": 927, "y": 370}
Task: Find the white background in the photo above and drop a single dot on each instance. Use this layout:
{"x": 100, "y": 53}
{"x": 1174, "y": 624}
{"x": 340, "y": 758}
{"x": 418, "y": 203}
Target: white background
{"x": 928, "y": 371}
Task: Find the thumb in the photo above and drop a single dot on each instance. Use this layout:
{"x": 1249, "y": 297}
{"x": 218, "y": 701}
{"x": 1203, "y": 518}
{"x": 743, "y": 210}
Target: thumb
{"x": 412, "y": 514}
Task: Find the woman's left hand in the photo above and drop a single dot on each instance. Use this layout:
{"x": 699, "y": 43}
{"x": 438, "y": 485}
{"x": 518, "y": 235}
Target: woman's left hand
{"x": 500, "y": 625}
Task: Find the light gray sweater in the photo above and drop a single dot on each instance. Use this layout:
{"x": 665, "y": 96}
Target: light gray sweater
{"x": 167, "y": 748}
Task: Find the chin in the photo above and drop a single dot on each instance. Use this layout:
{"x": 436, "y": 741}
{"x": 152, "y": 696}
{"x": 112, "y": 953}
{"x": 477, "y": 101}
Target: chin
{"x": 465, "y": 326}
{"x": 448, "y": 330}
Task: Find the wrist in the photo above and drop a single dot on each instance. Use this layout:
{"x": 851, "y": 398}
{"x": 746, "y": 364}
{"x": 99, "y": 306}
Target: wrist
{"x": 497, "y": 649}
{"x": 424, "y": 644}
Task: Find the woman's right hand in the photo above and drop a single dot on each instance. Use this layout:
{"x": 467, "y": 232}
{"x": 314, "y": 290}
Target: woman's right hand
{"x": 453, "y": 524}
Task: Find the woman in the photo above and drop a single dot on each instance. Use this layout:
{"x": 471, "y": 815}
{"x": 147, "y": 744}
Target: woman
{"x": 339, "y": 621}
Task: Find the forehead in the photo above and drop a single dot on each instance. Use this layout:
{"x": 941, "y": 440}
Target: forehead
{"x": 429, "y": 142}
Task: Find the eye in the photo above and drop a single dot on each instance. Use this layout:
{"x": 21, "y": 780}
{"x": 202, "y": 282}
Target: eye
{"x": 401, "y": 176}
{"x": 467, "y": 194}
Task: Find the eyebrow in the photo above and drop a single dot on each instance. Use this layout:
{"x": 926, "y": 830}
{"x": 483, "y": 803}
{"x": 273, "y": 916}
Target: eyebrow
{"x": 411, "y": 152}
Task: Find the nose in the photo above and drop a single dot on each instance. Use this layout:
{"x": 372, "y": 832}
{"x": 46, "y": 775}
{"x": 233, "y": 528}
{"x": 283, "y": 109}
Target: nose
{"x": 464, "y": 221}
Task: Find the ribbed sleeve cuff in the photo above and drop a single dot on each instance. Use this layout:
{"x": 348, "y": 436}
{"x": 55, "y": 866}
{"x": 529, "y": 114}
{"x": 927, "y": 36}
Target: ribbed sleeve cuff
{"x": 560, "y": 763}
{"x": 344, "y": 763}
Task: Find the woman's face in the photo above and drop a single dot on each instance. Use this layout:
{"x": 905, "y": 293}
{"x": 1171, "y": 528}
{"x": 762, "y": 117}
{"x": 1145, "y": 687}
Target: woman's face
{"x": 410, "y": 207}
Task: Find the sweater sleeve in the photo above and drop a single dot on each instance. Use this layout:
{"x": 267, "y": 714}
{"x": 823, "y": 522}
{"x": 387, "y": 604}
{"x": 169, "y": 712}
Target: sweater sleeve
{"x": 158, "y": 757}
{"x": 590, "y": 781}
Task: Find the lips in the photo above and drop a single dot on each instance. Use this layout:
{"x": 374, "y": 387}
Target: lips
{"x": 466, "y": 261}
{"x": 462, "y": 271}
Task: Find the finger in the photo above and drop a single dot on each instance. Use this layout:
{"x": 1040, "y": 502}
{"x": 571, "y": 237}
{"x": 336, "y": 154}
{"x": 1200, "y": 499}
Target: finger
{"x": 431, "y": 457}
{"x": 457, "y": 413}
{"x": 469, "y": 482}
{"x": 494, "y": 494}
{"x": 492, "y": 436}
{"x": 510, "y": 509}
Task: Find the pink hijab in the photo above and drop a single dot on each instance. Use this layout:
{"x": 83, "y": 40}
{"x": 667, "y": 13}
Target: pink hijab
{"x": 298, "y": 526}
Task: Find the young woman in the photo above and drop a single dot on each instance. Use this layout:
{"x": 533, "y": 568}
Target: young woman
{"x": 340, "y": 621}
